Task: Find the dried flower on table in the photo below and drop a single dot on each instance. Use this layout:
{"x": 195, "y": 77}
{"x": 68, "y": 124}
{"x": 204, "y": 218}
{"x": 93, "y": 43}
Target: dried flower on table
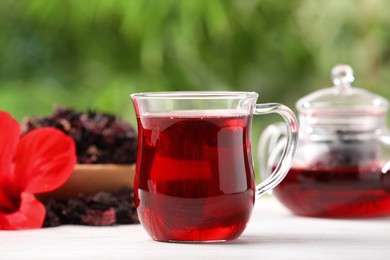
{"x": 101, "y": 209}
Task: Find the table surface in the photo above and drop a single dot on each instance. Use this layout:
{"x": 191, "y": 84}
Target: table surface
{"x": 272, "y": 233}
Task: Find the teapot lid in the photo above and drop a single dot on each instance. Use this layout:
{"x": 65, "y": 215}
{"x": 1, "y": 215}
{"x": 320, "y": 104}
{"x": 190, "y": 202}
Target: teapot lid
{"x": 342, "y": 100}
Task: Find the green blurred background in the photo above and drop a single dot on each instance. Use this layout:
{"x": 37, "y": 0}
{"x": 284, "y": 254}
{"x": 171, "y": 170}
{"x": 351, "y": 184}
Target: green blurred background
{"x": 93, "y": 54}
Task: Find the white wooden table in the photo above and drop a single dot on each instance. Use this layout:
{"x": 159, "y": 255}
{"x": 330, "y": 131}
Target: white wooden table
{"x": 272, "y": 233}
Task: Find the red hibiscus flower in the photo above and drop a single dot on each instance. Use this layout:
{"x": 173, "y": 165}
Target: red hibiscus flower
{"x": 40, "y": 161}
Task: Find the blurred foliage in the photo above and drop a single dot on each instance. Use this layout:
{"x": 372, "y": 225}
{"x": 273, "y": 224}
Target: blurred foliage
{"x": 93, "y": 54}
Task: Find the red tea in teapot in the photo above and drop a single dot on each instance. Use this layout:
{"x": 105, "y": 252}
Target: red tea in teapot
{"x": 197, "y": 180}
{"x": 342, "y": 192}
{"x": 346, "y": 182}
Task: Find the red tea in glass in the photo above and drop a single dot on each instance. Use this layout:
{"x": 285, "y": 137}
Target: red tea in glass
{"x": 194, "y": 175}
{"x": 197, "y": 181}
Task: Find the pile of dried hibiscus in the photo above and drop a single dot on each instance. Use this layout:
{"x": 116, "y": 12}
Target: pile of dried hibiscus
{"x": 100, "y": 138}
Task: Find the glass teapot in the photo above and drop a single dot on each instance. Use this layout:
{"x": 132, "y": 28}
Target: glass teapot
{"x": 342, "y": 164}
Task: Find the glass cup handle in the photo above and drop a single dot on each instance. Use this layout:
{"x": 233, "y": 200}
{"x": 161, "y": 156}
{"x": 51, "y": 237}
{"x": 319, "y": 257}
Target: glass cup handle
{"x": 271, "y": 143}
{"x": 286, "y": 159}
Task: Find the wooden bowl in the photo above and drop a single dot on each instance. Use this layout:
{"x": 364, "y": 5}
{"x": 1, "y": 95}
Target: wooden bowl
{"x": 91, "y": 178}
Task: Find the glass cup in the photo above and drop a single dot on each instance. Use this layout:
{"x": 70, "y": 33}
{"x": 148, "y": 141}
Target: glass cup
{"x": 194, "y": 179}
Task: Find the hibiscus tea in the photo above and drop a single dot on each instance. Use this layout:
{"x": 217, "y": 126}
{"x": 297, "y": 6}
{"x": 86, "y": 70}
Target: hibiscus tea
{"x": 336, "y": 192}
{"x": 195, "y": 179}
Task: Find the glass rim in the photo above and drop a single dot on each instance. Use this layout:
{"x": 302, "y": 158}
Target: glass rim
{"x": 195, "y": 95}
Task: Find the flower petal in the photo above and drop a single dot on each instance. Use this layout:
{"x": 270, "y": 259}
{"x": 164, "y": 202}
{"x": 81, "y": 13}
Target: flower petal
{"x": 44, "y": 160}
{"x": 31, "y": 214}
{"x": 9, "y": 138}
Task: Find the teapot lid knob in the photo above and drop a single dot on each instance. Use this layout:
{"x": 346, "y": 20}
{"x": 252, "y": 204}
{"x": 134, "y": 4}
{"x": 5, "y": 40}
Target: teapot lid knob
{"x": 343, "y": 103}
{"x": 342, "y": 76}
